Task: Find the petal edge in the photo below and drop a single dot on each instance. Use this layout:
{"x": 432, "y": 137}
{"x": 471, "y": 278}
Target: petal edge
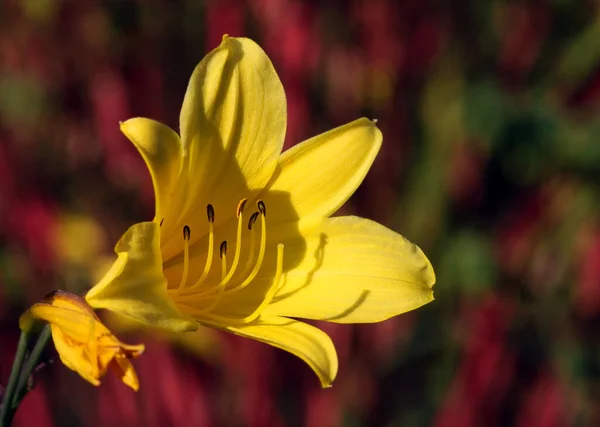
{"x": 353, "y": 270}
{"x": 135, "y": 285}
{"x": 301, "y": 339}
{"x": 321, "y": 173}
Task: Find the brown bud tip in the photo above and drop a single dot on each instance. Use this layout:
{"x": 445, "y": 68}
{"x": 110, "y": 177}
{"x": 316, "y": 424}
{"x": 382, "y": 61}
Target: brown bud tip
{"x": 223, "y": 248}
{"x": 186, "y": 232}
{"x": 241, "y": 206}
{"x": 51, "y": 294}
{"x": 252, "y": 220}
{"x": 210, "y": 212}
{"x": 261, "y": 207}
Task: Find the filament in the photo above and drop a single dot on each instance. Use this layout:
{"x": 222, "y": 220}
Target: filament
{"x": 212, "y": 295}
{"x": 259, "y": 259}
{"x": 205, "y": 312}
{"x": 186, "y": 257}
{"x": 209, "y": 256}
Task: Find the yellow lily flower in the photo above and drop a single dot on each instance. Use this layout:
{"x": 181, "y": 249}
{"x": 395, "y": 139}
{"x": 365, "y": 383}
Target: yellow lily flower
{"x": 83, "y": 343}
{"x": 205, "y": 260}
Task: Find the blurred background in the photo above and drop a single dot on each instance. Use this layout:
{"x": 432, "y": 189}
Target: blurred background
{"x": 490, "y": 163}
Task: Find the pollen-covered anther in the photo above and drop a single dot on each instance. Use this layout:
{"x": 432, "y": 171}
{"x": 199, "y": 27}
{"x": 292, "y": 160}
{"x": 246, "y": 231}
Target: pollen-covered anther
{"x": 223, "y": 249}
{"x": 223, "y": 254}
{"x": 240, "y": 207}
{"x": 210, "y": 213}
{"x": 261, "y": 207}
{"x": 252, "y": 220}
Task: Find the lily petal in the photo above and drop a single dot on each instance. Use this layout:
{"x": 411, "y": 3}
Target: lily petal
{"x": 352, "y": 270}
{"x": 160, "y": 147}
{"x": 301, "y": 339}
{"x": 68, "y": 326}
{"x": 321, "y": 173}
{"x": 83, "y": 343}
{"x": 78, "y": 325}
{"x": 126, "y": 373}
{"x": 135, "y": 286}
{"x": 233, "y": 122}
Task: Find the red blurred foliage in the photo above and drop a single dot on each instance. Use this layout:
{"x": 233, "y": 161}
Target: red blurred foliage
{"x": 171, "y": 393}
{"x": 486, "y": 368}
{"x": 523, "y": 31}
{"x": 544, "y": 406}
{"x": 466, "y": 175}
{"x": 34, "y": 410}
{"x": 31, "y": 223}
{"x": 517, "y": 232}
{"x": 253, "y": 375}
{"x": 587, "y": 292}
{"x": 587, "y": 94}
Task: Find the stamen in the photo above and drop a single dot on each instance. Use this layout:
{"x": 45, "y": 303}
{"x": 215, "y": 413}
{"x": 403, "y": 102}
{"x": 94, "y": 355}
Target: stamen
{"x": 261, "y": 250}
{"x": 214, "y": 294}
{"x": 186, "y": 257}
{"x": 226, "y": 276}
{"x": 238, "y": 242}
{"x": 210, "y": 213}
{"x": 252, "y": 244}
{"x": 210, "y": 292}
{"x": 240, "y": 207}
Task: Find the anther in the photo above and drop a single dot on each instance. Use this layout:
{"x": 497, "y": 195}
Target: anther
{"x": 252, "y": 220}
{"x": 161, "y": 222}
{"x": 186, "y": 232}
{"x": 223, "y": 248}
{"x": 240, "y": 207}
{"x": 262, "y": 208}
{"x": 210, "y": 212}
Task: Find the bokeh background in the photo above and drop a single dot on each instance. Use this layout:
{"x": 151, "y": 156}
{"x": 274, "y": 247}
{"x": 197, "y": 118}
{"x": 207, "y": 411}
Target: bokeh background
{"x": 490, "y": 163}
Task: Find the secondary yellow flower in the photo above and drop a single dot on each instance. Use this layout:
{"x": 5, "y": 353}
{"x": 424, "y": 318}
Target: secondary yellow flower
{"x": 83, "y": 343}
{"x": 241, "y": 239}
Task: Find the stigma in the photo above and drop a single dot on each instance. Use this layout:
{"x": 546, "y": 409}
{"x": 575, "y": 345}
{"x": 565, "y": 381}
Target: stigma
{"x": 202, "y": 296}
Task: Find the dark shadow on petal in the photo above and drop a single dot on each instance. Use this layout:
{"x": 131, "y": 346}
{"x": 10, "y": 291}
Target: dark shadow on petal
{"x": 319, "y": 254}
{"x": 359, "y": 301}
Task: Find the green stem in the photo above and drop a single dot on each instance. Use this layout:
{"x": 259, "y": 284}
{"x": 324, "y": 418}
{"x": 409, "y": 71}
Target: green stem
{"x": 8, "y": 409}
{"x": 32, "y": 362}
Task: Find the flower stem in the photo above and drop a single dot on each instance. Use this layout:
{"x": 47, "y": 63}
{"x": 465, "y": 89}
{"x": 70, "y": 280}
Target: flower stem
{"x": 8, "y": 410}
{"x": 30, "y": 365}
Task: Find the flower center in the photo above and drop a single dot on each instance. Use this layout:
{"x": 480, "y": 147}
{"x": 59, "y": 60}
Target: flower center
{"x": 201, "y": 298}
